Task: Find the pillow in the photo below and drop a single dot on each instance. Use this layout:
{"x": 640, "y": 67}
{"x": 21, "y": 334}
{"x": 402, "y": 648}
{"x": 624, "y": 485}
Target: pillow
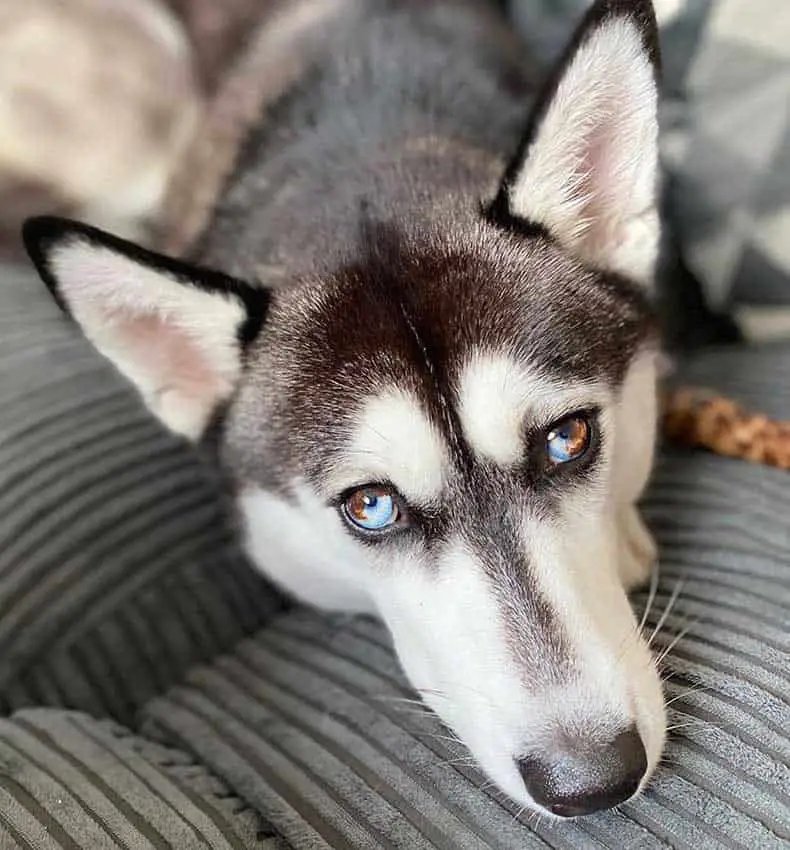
{"x": 727, "y": 146}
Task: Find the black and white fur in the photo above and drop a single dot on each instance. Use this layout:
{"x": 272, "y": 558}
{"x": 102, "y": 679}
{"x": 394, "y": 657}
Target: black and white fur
{"x": 418, "y": 279}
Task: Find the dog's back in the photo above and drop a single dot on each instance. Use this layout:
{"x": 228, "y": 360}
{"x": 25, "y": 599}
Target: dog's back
{"x": 343, "y": 103}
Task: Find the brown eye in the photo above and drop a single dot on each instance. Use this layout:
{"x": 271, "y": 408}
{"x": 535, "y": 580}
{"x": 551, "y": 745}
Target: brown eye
{"x": 568, "y": 439}
{"x": 372, "y": 508}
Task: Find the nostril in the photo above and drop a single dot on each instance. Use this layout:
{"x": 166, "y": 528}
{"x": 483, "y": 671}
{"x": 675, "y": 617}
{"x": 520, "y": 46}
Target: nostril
{"x": 581, "y": 777}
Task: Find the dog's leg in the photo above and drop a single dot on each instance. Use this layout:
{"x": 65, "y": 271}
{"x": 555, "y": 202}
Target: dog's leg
{"x": 638, "y": 550}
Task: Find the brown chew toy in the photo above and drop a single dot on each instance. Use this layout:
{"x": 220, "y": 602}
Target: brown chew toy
{"x": 696, "y": 417}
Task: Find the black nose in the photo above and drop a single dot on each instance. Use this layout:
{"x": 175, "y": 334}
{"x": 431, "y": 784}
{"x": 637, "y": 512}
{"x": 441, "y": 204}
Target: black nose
{"x": 581, "y": 777}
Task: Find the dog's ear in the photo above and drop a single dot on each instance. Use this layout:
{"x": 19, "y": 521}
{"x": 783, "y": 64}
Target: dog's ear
{"x": 177, "y": 332}
{"x": 587, "y": 168}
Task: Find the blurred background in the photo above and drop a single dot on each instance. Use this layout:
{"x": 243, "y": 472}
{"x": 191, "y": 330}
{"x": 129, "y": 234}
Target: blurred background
{"x": 100, "y": 98}
{"x": 101, "y": 102}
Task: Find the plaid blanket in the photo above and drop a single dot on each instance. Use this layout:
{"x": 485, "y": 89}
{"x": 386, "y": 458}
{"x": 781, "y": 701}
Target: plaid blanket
{"x": 726, "y": 142}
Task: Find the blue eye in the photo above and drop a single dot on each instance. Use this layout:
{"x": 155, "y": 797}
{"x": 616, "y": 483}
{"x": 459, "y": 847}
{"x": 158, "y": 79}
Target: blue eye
{"x": 568, "y": 439}
{"x": 372, "y": 508}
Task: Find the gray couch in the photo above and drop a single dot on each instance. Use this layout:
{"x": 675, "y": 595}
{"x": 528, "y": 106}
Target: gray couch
{"x": 155, "y": 693}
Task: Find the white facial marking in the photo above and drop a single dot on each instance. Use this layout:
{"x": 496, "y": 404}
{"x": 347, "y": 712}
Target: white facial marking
{"x": 299, "y": 543}
{"x": 575, "y": 561}
{"x": 590, "y": 173}
{"x": 177, "y": 343}
{"x": 449, "y": 635}
{"x": 393, "y": 440}
{"x": 498, "y": 396}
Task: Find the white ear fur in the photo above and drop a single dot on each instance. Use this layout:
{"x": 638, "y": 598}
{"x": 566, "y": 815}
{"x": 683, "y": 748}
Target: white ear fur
{"x": 589, "y": 173}
{"x": 178, "y": 343}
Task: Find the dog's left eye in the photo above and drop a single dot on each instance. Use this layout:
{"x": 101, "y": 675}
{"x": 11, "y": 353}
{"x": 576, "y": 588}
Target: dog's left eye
{"x": 372, "y": 508}
{"x": 569, "y": 439}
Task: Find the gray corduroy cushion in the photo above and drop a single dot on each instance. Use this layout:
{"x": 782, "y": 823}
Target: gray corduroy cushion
{"x": 307, "y": 721}
{"x": 117, "y": 570}
{"x": 70, "y": 782}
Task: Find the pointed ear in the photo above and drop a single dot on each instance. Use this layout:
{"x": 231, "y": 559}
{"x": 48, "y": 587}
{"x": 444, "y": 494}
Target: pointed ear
{"x": 587, "y": 169}
{"x": 177, "y": 332}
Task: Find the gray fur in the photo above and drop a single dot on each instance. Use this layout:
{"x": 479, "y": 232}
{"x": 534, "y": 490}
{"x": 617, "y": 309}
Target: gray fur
{"x": 409, "y": 108}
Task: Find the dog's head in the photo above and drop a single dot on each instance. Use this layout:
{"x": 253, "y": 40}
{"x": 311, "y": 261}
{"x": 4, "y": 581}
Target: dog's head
{"x": 451, "y": 429}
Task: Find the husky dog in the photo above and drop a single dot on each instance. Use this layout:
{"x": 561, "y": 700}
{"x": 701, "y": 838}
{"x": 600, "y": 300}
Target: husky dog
{"x": 417, "y": 332}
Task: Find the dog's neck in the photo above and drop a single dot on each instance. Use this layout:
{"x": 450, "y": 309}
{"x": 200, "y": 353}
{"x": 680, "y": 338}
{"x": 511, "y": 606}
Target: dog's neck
{"x": 291, "y": 68}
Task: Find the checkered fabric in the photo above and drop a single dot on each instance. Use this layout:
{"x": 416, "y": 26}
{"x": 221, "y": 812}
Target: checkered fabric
{"x": 727, "y": 145}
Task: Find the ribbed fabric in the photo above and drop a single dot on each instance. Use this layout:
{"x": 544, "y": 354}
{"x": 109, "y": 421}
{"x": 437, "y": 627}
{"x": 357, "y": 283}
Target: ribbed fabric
{"x": 308, "y": 722}
{"x": 117, "y": 570}
{"x": 759, "y": 377}
{"x": 69, "y": 782}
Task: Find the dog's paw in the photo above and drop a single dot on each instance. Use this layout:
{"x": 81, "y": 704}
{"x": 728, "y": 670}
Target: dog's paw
{"x": 638, "y": 550}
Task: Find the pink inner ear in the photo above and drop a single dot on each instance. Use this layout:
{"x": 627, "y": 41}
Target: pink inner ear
{"x": 602, "y": 180}
{"x": 165, "y": 356}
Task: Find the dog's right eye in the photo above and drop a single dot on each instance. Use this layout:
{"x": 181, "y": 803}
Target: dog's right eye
{"x": 374, "y": 508}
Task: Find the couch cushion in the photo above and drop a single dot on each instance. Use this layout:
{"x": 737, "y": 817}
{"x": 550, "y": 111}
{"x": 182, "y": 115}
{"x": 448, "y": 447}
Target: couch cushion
{"x": 311, "y": 722}
{"x": 759, "y": 376}
{"x": 117, "y": 569}
{"x": 68, "y": 781}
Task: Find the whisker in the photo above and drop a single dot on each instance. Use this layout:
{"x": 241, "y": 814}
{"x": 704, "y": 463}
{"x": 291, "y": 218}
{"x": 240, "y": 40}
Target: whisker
{"x": 721, "y": 726}
{"x": 678, "y": 637}
{"x": 518, "y": 814}
{"x": 669, "y": 606}
{"x": 384, "y": 698}
{"x": 696, "y": 722}
{"x": 651, "y": 597}
{"x": 537, "y": 818}
{"x": 687, "y": 692}
{"x": 414, "y": 712}
{"x": 432, "y": 691}
{"x": 464, "y": 761}
{"x": 378, "y": 433}
{"x": 442, "y": 737}
{"x": 626, "y": 643}
{"x": 668, "y": 675}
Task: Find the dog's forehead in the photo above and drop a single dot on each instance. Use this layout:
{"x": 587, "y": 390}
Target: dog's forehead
{"x": 413, "y": 311}
{"x": 451, "y": 340}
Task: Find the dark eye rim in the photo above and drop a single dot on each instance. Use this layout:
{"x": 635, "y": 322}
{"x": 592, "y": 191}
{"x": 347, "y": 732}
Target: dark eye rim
{"x": 402, "y": 522}
{"x": 591, "y": 415}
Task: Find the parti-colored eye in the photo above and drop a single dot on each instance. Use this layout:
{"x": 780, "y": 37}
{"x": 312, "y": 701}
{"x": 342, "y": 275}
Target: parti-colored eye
{"x": 372, "y": 508}
{"x": 569, "y": 439}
